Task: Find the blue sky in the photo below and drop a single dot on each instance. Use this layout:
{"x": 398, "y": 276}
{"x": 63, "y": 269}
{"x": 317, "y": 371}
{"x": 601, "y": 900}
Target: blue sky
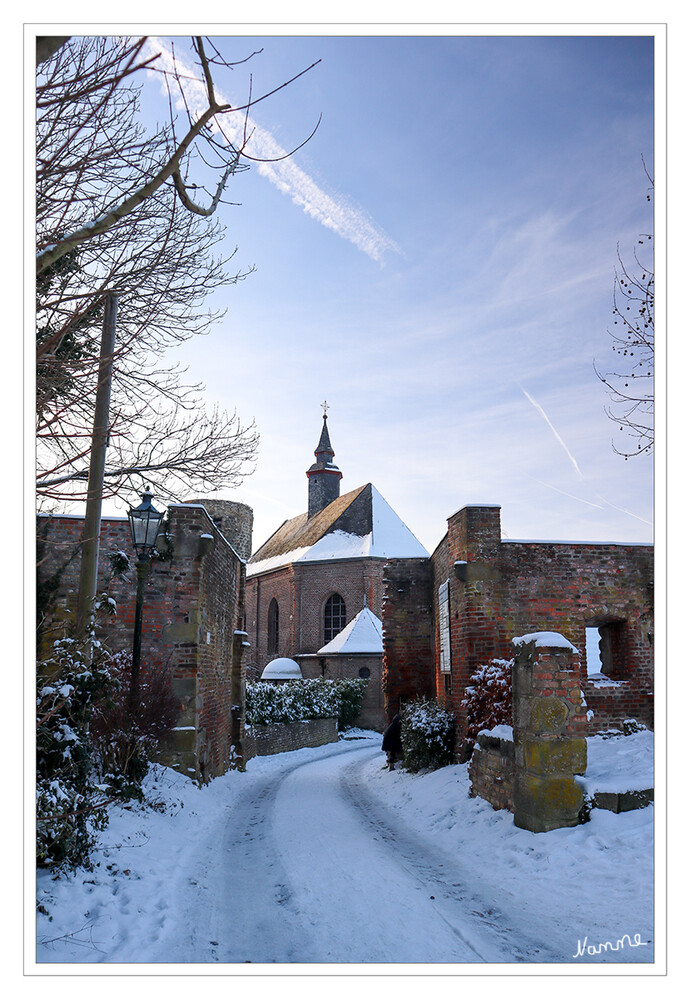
{"x": 438, "y": 264}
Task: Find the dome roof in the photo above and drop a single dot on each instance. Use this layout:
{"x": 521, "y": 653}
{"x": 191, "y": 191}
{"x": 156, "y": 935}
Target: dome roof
{"x": 282, "y": 669}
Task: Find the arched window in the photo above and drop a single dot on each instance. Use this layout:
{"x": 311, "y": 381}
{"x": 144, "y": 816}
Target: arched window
{"x": 273, "y": 627}
{"x": 333, "y": 617}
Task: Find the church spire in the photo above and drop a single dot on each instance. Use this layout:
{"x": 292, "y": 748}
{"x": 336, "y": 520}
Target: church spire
{"x": 324, "y": 475}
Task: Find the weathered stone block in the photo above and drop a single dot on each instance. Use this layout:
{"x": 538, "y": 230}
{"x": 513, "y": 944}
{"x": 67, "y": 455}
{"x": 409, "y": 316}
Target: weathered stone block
{"x": 181, "y": 631}
{"x": 476, "y": 572}
{"x": 629, "y": 800}
{"x": 555, "y": 756}
{"x": 606, "y": 800}
{"x": 547, "y": 715}
{"x": 545, "y": 803}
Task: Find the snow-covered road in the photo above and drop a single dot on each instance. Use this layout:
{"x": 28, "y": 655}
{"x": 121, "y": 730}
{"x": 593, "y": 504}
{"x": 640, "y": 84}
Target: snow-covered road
{"x": 312, "y": 869}
{"x": 404, "y": 900}
{"x": 321, "y": 857}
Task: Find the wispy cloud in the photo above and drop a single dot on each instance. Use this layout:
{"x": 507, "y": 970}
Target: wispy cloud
{"x": 347, "y": 220}
{"x": 558, "y": 437}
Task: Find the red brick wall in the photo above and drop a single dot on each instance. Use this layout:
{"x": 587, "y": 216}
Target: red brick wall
{"x": 278, "y": 585}
{"x": 192, "y": 608}
{"x": 408, "y": 642}
{"x": 301, "y": 591}
{"x": 316, "y": 582}
{"x": 500, "y": 590}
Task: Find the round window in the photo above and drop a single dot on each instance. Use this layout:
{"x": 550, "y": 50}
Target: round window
{"x": 365, "y": 672}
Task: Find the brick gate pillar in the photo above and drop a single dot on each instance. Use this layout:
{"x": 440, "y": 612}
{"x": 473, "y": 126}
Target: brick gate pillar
{"x": 548, "y": 732}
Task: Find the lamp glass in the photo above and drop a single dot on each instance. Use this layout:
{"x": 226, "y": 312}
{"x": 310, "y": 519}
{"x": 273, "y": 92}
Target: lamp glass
{"x": 144, "y": 523}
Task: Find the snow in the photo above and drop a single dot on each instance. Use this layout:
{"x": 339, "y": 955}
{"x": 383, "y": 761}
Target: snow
{"x": 364, "y": 633}
{"x": 619, "y": 763}
{"x": 389, "y": 538}
{"x": 599, "y": 680}
{"x": 322, "y": 857}
{"x": 588, "y": 544}
{"x": 545, "y": 639}
{"x": 338, "y": 544}
{"x": 275, "y": 562}
{"x": 282, "y": 669}
{"x": 499, "y": 732}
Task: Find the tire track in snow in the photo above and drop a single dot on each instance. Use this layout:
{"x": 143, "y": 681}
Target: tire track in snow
{"x": 475, "y": 920}
{"x": 250, "y": 916}
{"x": 357, "y": 894}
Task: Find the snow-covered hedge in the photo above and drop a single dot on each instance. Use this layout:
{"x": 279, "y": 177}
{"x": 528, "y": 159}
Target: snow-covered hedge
{"x": 427, "y": 735}
{"x": 489, "y": 697}
{"x": 70, "y": 805}
{"x": 299, "y": 700}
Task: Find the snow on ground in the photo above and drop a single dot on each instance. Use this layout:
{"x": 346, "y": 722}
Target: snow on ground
{"x": 322, "y": 855}
{"x": 620, "y": 763}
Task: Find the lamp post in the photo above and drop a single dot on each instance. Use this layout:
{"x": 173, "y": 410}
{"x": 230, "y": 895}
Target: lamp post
{"x": 144, "y": 523}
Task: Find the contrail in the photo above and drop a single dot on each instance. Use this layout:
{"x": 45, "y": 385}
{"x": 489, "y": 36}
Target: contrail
{"x": 623, "y": 510}
{"x": 346, "y": 220}
{"x": 579, "y": 499}
{"x": 553, "y": 430}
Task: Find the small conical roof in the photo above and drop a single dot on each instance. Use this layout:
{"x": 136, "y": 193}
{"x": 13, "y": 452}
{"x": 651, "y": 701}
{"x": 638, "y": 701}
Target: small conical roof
{"x": 364, "y": 633}
{"x": 324, "y": 446}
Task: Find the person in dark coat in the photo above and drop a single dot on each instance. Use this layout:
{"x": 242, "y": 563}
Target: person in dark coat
{"x": 392, "y": 742}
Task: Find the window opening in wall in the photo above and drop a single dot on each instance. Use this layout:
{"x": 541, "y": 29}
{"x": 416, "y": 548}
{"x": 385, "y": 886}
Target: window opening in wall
{"x": 593, "y": 652}
{"x": 273, "y": 624}
{"x": 334, "y": 617}
{"x": 605, "y": 650}
{"x": 364, "y": 672}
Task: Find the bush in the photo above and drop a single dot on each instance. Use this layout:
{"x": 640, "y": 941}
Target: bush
{"x": 350, "y": 697}
{"x": 489, "y": 698}
{"x": 427, "y": 735}
{"x": 125, "y": 743}
{"x": 70, "y": 806}
{"x": 89, "y": 752}
{"x": 299, "y": 700}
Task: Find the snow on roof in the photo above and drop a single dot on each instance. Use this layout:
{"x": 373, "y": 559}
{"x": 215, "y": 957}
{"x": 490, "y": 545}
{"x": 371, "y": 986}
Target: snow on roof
{"x": 364, "y": 633}
{"x": 338, "y": 544}
{"x": 282, "y": 669}
{"x": 275, "y": 561}
{"x": 389, "y": 537}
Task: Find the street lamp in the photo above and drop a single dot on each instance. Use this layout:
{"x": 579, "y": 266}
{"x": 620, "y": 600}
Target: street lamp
{"x": 144, "y": 523}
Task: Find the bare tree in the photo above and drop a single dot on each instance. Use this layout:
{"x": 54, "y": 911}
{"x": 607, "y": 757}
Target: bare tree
{"x": 631, "y": 383}
{"x": 116, "y": 212}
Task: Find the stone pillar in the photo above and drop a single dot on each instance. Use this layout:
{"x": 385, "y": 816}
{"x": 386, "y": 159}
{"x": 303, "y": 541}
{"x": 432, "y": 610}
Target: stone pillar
{"x": 548, "y": 731}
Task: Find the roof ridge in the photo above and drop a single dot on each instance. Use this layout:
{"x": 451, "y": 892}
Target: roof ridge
{"x": 302, "y": 531}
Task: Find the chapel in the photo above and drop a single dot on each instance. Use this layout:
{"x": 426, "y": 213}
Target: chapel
{"x": 314, "y": 589}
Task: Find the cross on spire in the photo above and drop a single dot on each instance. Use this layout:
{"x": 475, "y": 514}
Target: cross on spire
{"x": 325, "y": 407}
